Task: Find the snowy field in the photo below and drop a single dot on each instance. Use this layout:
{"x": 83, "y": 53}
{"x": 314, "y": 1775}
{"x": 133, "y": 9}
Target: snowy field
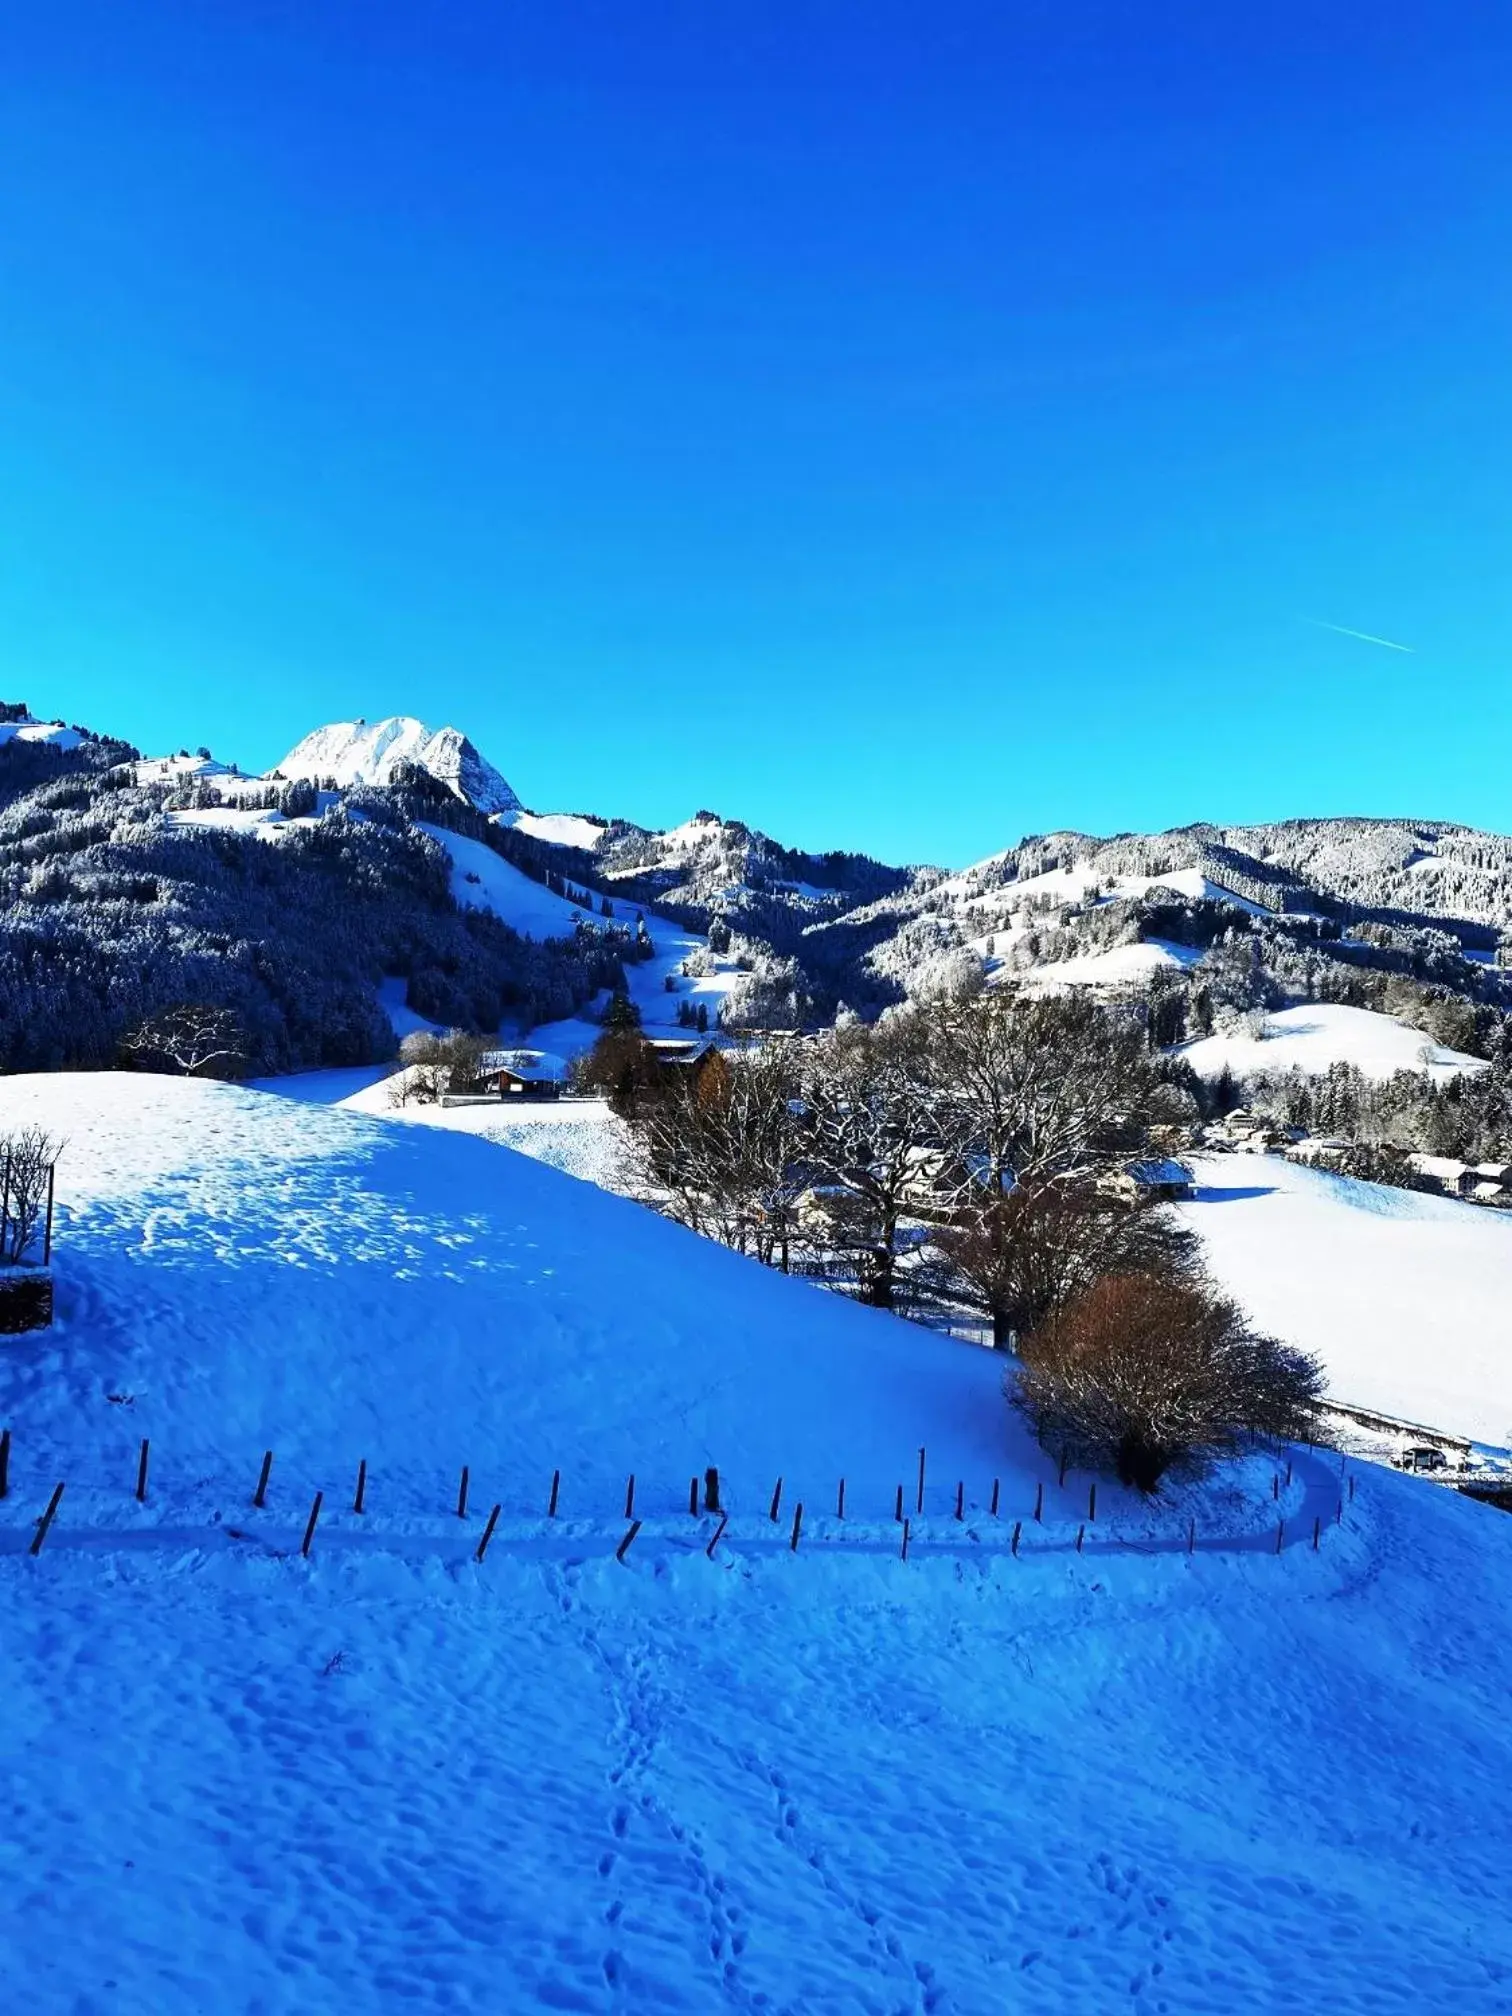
{"x": 1319, "y": 1034}
{"x": 387, "y": 1776}
{"x": 1405, "y": 1297}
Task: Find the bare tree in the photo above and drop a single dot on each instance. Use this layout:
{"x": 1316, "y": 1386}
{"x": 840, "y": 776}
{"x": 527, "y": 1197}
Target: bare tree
{"x": 194, "y": 1039}
{"x": 434, "y": 1065}
{"x": 873, "y": 1139}
{"x": 1023, "y": 1255}
{"x": 1035, "y": 1089}
{"x": 27, "y": 1156}
{"x": 1142, "y": 1373}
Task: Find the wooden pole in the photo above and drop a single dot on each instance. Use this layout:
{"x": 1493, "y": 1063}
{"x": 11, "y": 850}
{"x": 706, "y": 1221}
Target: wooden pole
{"x": 776, "y": 1500}
{"x": 1039, "y": 1499}
{"x": 304, "y": 1545}
{"x": 556, "y": 1487}
{"x": 1280, "y": 1531}
{"x": 46, "y": 1520}
{"x": 141, "y": 1490}
{"x": 52, "y": 1170}
{"x": 1351, "y": 1487}
{"x": 1317, "y": 1533}
{"x": 1062, "y": 1477}
{"x": 624, "y": 1546}
{"x": 361, "y": 1492}
{"x": 462, "y": 1495}
{"x": 1338, "y": 1515}
{"x": 693, "y": 1497}
{"x": 840, "y": 1501}
{"x": 898, "y": 1509}
{"x": 905, "y": 1539}
{"x": 797, "y": 1524}
{"x": 1081, "y": 1533}
{"x": 1275, "y": 1485}
{"x": 630, "y": 1497}
{"x": 1092, "y": 1505}
{"x": 5, "y": 1464}
{"x": 1192, "y": 1537}
{"x": 996, "y": 1482}
{"x": 488, "y": 1533}
{"x": 260, "y": 1495}
{"x": 711, "y": 1490}
{"x": 1018, "y": 1527}
{"x": 920, "y": 1506}
{"x": 1288, "y": 1473}
{"x": 724, "y": 1520}
{"x": 961, "y": 1500}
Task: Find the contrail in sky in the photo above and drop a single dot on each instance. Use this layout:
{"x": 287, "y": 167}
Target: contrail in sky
{"x": 1363, "y": 635}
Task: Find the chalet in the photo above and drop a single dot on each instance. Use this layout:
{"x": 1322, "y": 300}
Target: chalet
{"x": 1161, "y": 1181}
{"x": 522, "y": 1074}
{"x": 1486, "y": 1183}
{"x": 699, "y": 1058}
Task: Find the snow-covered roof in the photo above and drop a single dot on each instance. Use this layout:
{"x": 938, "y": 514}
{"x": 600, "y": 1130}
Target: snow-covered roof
{"x": 1158, "y": 1171}
{"x": 537, "y": 1067}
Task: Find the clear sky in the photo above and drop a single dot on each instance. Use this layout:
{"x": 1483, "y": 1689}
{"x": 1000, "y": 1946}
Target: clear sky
{"x": 899, "y": 426}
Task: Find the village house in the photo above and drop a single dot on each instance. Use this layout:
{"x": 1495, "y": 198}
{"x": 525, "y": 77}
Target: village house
{"x": 1158, "y": 1181}
{"x": 522, "y": 1074}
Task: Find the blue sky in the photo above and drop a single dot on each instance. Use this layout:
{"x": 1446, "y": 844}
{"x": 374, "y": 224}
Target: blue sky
{"x": 900, "y": 427}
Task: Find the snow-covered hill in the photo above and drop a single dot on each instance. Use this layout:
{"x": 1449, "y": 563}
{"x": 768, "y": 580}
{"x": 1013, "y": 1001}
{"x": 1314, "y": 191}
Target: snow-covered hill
{"x": 1318, "y": 1035}
{"x": 387, "y": 1776}
{"x": 370, "y": 752}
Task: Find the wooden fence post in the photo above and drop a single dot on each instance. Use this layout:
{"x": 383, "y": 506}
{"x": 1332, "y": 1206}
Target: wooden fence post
{"x": 488, "y": 1533}
{"x": 693, "y": 1497}
{"x": 1062, "y": 1477}
{"x": 1039, "y": 1499}
{"x": 1339, "y": 1514}
{"x": 52, "y": 1170}
{"x": 309, "y": 1533}
{"x": 1288, "y": 1473}
{"x": 1317, "y": 1533}
{"x": 898, "y": 1508}
{"x": 624, "y": 1546}
{"x": 630, "y": 1497}
{"x": 996, "y": 1482}
{"x": 1192, "y": 1538}
{"x": 556, "y": 1487}
{"x": 711, "y": 1490}
{"x": 1275, "y": 1484}
{"x": 797, "y": 1524}
{"x": 920, "y": 1506}
{"x": 840, "y": 1501}
{"x": 5, "y": 1464}
{"x": 1280, "y": 1531}
{"x": 1351, "y": 1487}
{"x": 260, "y": 1495}
{"x": 462, "y": 1495}
{"x": 1081, "y": 1532}
{"x": 141, "y": 1490}
{"x": 724, "y": 1520}
{"x": 776, "y": 1500}
{"x": 359, "y": 1496}
{"x": 961, "y": 1500}
{"x": 1018, "y": 1527}
{"x": 905, "y": 1539}
{"x": 46, "y": 1520}
{"x": 1092, "y": 1504}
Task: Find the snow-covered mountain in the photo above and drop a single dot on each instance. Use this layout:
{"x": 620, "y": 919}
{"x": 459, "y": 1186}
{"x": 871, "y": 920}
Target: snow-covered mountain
{"x": 371, "y": 752}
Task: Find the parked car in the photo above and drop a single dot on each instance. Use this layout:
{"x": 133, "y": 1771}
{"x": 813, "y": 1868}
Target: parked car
{"x": 1422, "y": 1459}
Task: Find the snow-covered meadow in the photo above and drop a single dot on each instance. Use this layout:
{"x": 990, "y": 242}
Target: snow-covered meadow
{"x": 388, "y": 1776}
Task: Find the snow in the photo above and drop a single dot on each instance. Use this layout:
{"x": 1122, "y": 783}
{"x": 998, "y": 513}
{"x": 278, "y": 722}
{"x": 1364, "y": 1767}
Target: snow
{"x": 390, "y": 1777}
{"x": 483, "y": 880}
{"x": 1076, "y": 883}
{"x": 370, "y": 752}
{"x": 1317, "y": 1035}
{"x": 562, "y": 829}
{"x": 56, "y": 732}
{"x": 1119, "y": 966}
{"x": 1402, "y": 1295}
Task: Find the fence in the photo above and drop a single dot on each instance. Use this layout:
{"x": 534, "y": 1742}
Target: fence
{"x": 918, "y": 1518}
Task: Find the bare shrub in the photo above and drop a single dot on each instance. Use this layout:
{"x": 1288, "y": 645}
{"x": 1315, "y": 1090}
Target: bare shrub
{"x": 27, "y": 1156}
{"x": 1143, "y": 1373}
{"x": 192, "y": 1040}
{"x": 1022, "y": 1256}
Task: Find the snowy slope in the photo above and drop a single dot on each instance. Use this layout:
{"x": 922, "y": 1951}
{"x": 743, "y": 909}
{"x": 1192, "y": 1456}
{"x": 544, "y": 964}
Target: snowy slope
{"x": 56, "y": 733}
{"x": 1119, "y": 966}
{"x": 485, "y": 881}
{"x": 1319, "y": 1034}
{"x": 369, "y": 752}
{"x": 562, "y": 829}
{"x": 387, "y": 1777}
{"x": 1403, "y": 1296}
